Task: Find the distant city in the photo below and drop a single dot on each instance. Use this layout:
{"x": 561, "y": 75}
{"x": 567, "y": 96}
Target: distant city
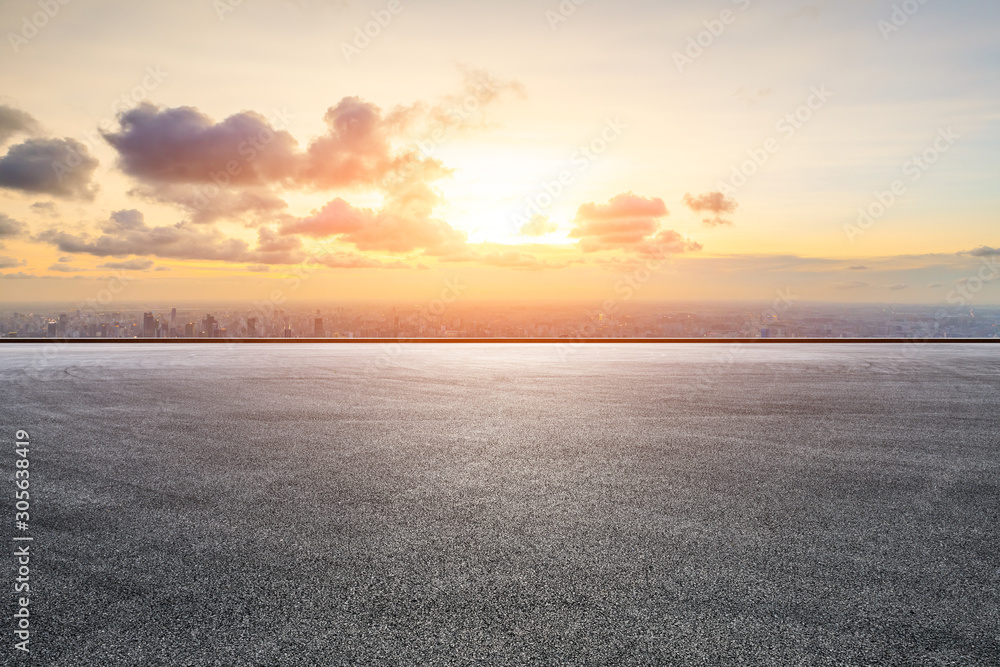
{"x": 782, "y": 319}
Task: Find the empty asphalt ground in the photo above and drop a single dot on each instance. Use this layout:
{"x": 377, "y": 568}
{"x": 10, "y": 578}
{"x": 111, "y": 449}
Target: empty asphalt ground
{"x": 507, "y": 504}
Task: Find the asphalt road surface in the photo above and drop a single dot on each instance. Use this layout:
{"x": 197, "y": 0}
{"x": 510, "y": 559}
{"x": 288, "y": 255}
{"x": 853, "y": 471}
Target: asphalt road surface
{"x": 506, "y": 504}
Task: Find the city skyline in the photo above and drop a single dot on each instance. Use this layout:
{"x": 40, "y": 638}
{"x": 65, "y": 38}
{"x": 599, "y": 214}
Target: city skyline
{"x": 376, "y": 150}
{"x": 783, "y": 318}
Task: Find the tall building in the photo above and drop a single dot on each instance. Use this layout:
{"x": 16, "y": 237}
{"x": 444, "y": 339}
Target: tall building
{"x": 318, "y": 328}
{"x": 208, "y": 326}
{"x": 148, "y": 325}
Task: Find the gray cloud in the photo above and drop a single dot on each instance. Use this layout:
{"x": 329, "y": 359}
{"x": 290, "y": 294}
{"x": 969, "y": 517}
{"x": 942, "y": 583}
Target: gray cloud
{"x": 59, "y": 167}
{"x": 10, "y": 262}
{"x": 183, "y": 145}
{"x": 126, "y": 219}
{"x": 129, "y": 265}
{"x": 46, "y": 208}
{"x": 14, "y": 121}
{"x": 985, "y": 251}
{"x": 10, "y": 228}
{"x": 126, "y": 233}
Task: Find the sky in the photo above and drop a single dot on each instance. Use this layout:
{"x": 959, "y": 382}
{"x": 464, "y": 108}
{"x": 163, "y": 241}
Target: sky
{"x": 841, "y": 151}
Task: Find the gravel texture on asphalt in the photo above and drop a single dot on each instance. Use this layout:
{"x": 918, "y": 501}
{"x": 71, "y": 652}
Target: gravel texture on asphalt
{"x": 508, "y": 504}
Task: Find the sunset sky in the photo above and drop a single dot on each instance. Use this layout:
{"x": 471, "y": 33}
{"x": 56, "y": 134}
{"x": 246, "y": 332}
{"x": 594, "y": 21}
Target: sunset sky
{"x": 531, "y": 150}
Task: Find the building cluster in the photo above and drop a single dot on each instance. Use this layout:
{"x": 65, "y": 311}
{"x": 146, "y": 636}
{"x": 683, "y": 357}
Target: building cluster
{"x": 510, "y": 321}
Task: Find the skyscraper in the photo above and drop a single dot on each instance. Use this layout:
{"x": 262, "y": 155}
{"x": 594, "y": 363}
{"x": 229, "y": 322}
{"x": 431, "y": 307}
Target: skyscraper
{"x": 208, "y": 326}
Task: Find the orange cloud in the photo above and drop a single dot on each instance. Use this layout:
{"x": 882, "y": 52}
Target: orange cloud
{"x": 628, "y": 222}
{"x": 623, "y": 222}
{"x": 714, "y": 202}
{"x": 403, "y": 225}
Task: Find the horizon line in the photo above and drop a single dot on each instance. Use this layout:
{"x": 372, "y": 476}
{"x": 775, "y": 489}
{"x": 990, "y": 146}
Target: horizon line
{"x": 498, "y": 340}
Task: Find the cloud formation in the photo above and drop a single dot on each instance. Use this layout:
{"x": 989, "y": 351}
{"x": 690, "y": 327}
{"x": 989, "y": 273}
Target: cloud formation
{"x": 14, "y": 121}
{"x": 126, "y": 233}
{"x": 183, "y": 145}
{"x": 628, "y": 222}
{"x": 985, "y": 251}
{"x": 65, "y": 268}
{"x": 351, "y": 260}
{"x": 404, "y": 224}
{"x": 538, "y": 225}
{"x": 129, "y": 265}
{"x": 46, "y": 208}
{"x": 214, "y": 170}
{"x": 58, "y": 167}
{"x": 10, "y": 228}
{"x": 715, "y": 203}
{"x": 513, "y": 259}
{"x": 10, "y": 262}
{"x": 235, "y": 167}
